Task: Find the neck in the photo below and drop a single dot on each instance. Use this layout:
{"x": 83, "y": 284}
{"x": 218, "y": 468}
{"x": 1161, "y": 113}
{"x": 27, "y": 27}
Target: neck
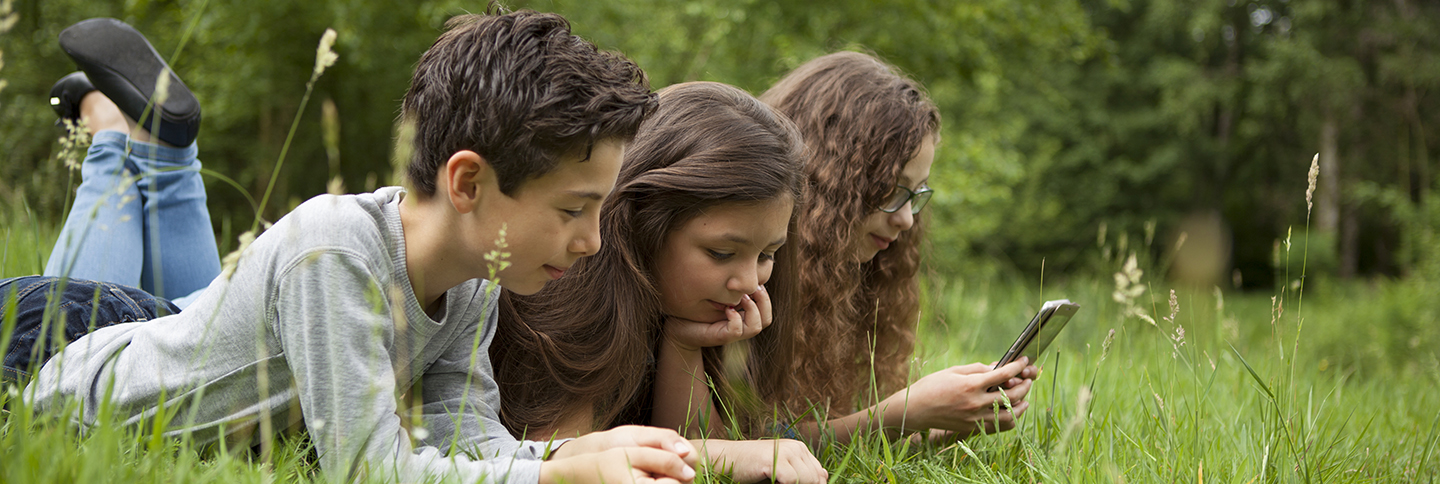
{"x": 428, "y": 260}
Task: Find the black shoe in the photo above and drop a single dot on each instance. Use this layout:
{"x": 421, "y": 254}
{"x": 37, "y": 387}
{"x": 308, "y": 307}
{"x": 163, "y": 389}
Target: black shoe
{"x": 124, "y": 66}
{"x": 66, "y": 95}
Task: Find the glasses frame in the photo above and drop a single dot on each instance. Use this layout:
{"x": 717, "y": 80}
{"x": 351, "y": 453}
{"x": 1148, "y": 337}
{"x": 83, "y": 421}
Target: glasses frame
{"x": 911, "y": 196}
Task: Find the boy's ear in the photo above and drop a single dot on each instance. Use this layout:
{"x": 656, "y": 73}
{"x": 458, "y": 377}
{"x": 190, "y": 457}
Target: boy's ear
{"x": 465, "y": 179}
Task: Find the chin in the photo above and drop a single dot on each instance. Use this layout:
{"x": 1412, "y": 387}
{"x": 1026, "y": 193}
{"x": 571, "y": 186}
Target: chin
{"x": 868, "y": 256}
{"x": 523, "y": 288}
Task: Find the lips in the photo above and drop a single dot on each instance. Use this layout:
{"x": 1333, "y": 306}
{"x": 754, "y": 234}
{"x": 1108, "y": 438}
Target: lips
{"x": 881, "y": 242}
{"x": 554, "y": 272}
{"x": 719, "y": 306}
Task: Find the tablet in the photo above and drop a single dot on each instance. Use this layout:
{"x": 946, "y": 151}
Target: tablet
{"x": 1041, "y": 331}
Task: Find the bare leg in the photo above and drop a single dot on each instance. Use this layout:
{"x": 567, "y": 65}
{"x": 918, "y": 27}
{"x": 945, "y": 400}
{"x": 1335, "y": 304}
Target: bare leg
{"x": 101, "y": 114}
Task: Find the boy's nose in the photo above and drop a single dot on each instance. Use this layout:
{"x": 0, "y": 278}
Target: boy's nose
{"x": 588, "y": 243}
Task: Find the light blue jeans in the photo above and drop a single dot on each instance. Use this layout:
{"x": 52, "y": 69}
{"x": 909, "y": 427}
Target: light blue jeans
{"x": 139, "y": 220}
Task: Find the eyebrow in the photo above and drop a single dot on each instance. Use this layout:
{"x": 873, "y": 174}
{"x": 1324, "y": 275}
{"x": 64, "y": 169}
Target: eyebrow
{"x": 585, "y": 194}
{"x": 742, "y": 240}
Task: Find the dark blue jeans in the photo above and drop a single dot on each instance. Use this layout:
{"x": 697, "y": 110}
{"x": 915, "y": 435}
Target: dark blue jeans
{"x": 78, "y": 307}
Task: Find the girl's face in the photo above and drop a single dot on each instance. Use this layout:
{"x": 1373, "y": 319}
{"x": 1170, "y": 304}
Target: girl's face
{"x": 711, "y": 261}
{"x": 879, "y": 229}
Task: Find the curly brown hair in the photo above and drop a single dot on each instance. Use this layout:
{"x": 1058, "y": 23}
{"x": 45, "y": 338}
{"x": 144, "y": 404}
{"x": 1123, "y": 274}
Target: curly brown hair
{"x": 862, "y": 121}
{"x": 585, "y": 343}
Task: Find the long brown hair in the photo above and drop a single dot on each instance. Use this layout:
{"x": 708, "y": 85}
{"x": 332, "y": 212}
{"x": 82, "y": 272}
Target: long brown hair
{"x": 862, "y": 121}
{"x": 586, "y": 341}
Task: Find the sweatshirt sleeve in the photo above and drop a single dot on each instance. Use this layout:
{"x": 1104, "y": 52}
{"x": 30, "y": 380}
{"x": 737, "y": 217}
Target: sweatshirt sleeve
{"x": 462, "y": 400}
{"x": 334, "y": 328}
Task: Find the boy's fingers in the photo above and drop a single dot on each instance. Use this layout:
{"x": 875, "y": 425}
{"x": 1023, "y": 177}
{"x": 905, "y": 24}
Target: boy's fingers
{"x": 655, "y": 438}
{"x": 659, "y": 463}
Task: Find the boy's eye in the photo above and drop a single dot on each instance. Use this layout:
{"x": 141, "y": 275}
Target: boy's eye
{"x": 767, "y": 257}
{"x": 717, "y": 255}
{"x": 574, "y": 213}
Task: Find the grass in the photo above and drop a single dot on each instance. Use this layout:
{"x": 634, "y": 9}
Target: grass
{"x": 1212, "y": 387}
{"x": 1355, "y": 398}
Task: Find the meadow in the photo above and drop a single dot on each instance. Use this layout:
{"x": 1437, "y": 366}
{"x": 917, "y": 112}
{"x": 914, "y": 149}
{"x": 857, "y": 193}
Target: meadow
{"x": 1338, "y": 383}
{"x": 1317, "y": 379}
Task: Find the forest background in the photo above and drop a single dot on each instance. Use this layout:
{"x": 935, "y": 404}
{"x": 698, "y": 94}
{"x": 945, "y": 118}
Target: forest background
{"x": 1076, "y": 134}
{"x": 1060, "y": 116}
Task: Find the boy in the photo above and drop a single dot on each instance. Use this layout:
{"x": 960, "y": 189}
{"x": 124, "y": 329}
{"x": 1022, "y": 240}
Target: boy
{"x": 349, "y": 301}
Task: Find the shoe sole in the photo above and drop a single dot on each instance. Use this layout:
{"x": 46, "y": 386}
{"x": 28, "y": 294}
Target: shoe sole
{"x": 124, "y": 66}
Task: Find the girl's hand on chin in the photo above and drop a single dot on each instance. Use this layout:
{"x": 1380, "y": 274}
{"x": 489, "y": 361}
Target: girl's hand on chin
{"x": 755, "y": 315}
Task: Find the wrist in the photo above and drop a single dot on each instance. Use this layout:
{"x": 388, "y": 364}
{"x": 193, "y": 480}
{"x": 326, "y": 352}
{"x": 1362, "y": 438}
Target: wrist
{"x": 561, "y": 451}
{"x": 899, "y": 413}
{"x": 549, "y": 474}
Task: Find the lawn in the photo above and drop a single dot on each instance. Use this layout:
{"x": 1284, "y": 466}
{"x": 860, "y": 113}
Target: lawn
{"x": 1338, "y": 383}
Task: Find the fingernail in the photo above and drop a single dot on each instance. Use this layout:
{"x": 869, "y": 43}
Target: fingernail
{"x": 747, "y": 298}
{"x": 683, "y": 447}
{"x": 688, "y": 473}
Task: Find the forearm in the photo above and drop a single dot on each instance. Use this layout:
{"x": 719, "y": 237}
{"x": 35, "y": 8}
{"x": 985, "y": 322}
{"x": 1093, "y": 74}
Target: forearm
{"x": 682, "y": 395}
{"x": 888, "y": 415}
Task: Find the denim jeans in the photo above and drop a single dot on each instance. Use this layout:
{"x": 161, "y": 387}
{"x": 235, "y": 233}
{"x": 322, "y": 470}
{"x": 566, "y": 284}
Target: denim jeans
{"x": 139, "y": 220}
{"x": 77, "y": 308}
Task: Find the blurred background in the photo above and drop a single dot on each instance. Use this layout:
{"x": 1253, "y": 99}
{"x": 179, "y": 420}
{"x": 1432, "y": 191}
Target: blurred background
{"x": 1075, "y": 132}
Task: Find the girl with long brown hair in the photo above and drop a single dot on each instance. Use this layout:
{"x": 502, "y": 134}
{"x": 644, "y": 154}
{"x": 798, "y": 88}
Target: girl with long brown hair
{"x": 871, "y": 134}
{"x": 695, "y": 251}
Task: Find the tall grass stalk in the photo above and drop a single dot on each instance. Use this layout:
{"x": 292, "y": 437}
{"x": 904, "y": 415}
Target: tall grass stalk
{"x": 324, "y": 58}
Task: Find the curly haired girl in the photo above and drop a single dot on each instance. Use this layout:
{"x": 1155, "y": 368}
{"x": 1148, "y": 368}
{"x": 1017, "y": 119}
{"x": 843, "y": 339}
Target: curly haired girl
{"x": 872, "y": 135}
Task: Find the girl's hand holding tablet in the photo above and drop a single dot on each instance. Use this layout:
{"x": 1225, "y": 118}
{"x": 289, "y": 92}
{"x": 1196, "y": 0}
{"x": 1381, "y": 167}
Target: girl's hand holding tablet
{"x": 743, "y": 321}
{"x": 956, "y": 399}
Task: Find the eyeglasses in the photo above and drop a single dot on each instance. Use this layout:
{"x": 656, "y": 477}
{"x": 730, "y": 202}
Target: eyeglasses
{"x": 901, "y": 195}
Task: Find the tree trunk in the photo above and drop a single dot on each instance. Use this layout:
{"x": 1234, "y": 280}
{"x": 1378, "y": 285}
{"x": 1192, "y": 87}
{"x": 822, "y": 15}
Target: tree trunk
{"x": 1327, "y": 201}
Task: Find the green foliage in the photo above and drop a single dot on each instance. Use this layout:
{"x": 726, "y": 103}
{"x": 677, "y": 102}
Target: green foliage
{"x": 1059, "y": 115}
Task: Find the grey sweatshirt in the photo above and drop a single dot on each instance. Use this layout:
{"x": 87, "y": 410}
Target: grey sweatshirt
{"x": 318, "y": 322}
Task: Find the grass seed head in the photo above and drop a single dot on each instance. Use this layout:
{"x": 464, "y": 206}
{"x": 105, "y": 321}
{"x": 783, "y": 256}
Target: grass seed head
{"x": 1312, "y": 176}
{"x": 324, "y": 56}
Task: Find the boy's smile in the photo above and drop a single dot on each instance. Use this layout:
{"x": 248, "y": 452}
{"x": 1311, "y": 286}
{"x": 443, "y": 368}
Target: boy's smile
{"x": 550, "y": 222}
{"x": 554, "y": 219}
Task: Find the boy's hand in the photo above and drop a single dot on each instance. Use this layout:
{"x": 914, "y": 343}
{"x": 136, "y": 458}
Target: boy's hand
{"x": 629, "y": 436}
{"x": 744, "y": 321}
{"x": 639, "y": 465}
{"x": 784, "y": 461}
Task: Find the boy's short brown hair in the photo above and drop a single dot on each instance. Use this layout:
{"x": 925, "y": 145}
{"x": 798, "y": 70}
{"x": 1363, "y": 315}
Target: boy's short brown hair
{"x": 520, "y": 90}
